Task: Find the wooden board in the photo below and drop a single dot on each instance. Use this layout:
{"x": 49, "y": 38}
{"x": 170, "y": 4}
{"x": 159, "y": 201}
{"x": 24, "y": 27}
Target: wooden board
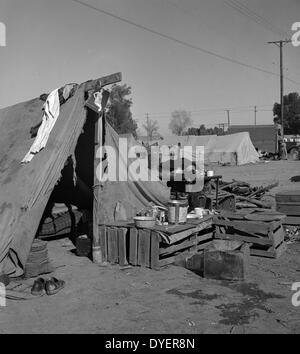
{"x": 174, "y": 229}
{"x": 191, "y": 242}
{"x": 103, "y": 81}
{"x": 112, "y": 243}
{"x": 235, "y": 237}
{"x": 122, "y": 232}
{"x": 249, "y": 227}
{"x": 277, "y": 236}
{"x": 182, "y": 235}
{"x": 273, "y": 247}
{"x": 133, "y": 246}
{"x": 155, "y": 241}
{"x": 144, "y": 248}
{"x": 292, "y": 220}
{"x": 170, "y": 260}
{"x": 264, "y": 217}
{"x": 233, "y": 216}
{"x": 288, "y": 196}
{"x": 289, "y": 208}
{"x": 103, "y": 242}
{"x": 272, "y": 252}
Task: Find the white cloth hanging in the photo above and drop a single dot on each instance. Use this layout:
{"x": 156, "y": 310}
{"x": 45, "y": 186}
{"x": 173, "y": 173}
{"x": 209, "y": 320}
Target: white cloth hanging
{"x": 51, "y": 112}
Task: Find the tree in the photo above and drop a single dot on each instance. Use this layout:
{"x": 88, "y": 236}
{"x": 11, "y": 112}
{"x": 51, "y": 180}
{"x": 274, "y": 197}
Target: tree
{"x": 151, "y": 128}
{"x": 119, "y": 110}
{"x": 202, "y": 130}
{"x": 291, "y": 118}
{"x": 180, "y": 120}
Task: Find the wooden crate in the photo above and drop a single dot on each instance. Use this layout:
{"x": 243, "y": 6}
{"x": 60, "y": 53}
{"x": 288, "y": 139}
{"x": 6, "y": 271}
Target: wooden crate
{"x": 147, "y": 248}
{"x": 266, "y": 238}
{"x": 289, "y": 203}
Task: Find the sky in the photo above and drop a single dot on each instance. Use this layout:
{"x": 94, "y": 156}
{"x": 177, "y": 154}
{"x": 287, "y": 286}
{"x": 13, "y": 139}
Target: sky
{"x": 53, "y": 42}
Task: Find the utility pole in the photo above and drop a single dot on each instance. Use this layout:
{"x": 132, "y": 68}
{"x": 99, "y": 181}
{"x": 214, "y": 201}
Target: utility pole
{"x": 148, "y": 136}
{"x": 228, "y": 117}
{"x": 280, "y": 45}
{"x": 255, "y": 112}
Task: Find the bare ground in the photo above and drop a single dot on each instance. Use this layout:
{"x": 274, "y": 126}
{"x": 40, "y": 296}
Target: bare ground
{"x": 173, "y": 300}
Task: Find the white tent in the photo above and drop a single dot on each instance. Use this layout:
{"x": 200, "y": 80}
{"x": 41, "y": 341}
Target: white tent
{"x": 234, "y": 149}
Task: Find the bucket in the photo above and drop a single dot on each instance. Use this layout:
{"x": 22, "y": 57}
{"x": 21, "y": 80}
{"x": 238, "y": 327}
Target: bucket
{"x": 83, "y": 246}
{"x": 177, "y": 212}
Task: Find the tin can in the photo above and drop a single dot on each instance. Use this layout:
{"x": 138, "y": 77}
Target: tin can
{"x": 177, "y": 212}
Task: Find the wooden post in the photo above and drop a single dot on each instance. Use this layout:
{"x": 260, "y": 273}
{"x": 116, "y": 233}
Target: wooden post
{"x": 99, "y": 255}
{"x": 97, "y": 251}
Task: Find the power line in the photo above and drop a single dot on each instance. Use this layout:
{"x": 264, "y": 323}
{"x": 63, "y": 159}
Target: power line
{"x": 209, "y": 110}
{"x": 186, "y": 44}
{"x": 244, "y": 10}
{"x": 195, "y": 115}
{"x": 260, "y": 20}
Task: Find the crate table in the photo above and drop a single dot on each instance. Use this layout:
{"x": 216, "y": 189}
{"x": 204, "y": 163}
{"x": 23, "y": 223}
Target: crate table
{"x": 122, "y": 243}
{"x": 266, "y": 238}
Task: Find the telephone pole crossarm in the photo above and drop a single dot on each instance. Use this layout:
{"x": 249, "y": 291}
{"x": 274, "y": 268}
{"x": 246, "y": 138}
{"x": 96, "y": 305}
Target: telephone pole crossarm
{"x": 280, "y": 45}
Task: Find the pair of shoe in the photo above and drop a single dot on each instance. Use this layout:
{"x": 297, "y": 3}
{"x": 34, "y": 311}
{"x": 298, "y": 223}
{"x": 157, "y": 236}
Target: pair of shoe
{"x": 51, "y": 286}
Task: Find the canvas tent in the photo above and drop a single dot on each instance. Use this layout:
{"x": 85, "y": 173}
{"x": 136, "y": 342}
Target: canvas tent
{"x": 234, "y": 149}
{"x": 263, "y": 137}
{"x": 25, "y": 189}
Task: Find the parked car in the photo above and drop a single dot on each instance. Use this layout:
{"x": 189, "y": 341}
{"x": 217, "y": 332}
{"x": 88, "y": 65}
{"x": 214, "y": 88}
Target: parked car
{"x": 293, "y": 146}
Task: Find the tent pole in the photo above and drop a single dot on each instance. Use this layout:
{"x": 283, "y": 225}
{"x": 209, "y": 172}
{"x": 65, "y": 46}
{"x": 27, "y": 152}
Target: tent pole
{"x": 98, "y": 86}
{"x": 97, "y": 251}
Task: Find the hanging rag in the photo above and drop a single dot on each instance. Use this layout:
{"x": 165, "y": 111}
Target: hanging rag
{"x": 51, "y": 112}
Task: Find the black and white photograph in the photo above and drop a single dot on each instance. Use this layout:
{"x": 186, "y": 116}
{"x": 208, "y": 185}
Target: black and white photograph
{"x": 150, "y": 170}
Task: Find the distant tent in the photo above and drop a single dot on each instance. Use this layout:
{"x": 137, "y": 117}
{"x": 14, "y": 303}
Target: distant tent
{"x": 263, "y": 137}
{"x": 26, "y": 189}
{"x": 234, "y": 149}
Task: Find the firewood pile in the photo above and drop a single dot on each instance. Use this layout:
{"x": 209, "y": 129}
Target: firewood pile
{"x": 246, "y": 196}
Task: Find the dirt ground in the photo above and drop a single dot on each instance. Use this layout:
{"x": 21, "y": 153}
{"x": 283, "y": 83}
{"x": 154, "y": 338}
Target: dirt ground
{"x": 173, "y": 300}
